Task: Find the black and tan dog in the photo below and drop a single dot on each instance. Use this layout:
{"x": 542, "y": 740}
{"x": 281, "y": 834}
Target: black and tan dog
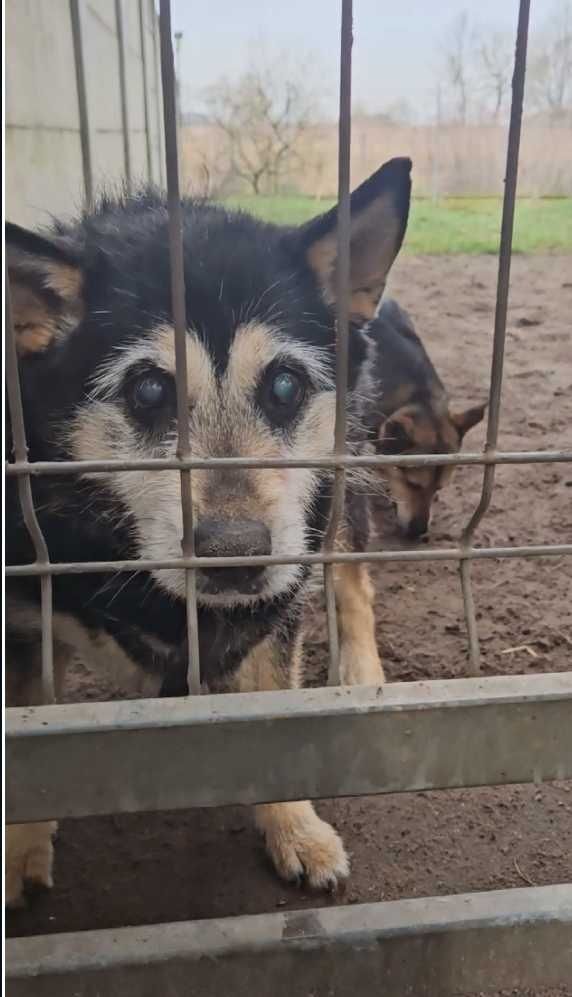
{"x": 92, "y": 312}
{"x": 408, "y": 412}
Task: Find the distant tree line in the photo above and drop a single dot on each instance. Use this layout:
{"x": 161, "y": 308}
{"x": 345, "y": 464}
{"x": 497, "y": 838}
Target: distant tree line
{"x": 267, "y": 122}
{"x": 475, "y": 70}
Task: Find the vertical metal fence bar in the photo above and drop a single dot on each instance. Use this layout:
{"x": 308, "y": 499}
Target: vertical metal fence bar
{"x": 180, "y": 323}
{"x": 503, "y": 285}
{"x": 342, "y": 326}
{"x": 84, "y": 133}
{"x": 15, "y": 407}
{"x": 157, "y": 77}
{"x": 123, "y": 93}
{"x": 148, "y": 148}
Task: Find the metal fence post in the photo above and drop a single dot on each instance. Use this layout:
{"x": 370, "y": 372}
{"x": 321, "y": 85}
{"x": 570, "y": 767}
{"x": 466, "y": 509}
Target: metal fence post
{"x": 123, "y": 94}
{"x": 84, "y": 131}
{"x": 147, "y": 116}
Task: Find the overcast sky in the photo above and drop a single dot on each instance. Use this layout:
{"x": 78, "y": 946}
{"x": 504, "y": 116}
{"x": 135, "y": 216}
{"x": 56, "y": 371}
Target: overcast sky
{"x": 396, "y": 42}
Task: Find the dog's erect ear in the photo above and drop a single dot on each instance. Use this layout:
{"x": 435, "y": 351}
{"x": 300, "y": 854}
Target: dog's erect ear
{"x": 379, "y": 212}
{"x": 469, "y": 418}
{"x": 396, "y": 435}
{"x": 45, "y": 288}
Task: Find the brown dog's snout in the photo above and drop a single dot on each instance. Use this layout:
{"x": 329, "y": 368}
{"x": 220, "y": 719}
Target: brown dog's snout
{"x": 232, "y": 538}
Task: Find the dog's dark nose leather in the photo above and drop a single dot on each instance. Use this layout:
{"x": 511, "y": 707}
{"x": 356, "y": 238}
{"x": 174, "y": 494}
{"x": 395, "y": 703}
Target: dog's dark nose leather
{"x": 417, "y": 528}
{"x": 233, "y": 538}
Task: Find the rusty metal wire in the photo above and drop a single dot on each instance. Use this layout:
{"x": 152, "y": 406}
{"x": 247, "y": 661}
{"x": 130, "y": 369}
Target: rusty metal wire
{"x": 16, "y": 410}
{"x": 325, "y": 557}
{"x": 497, "y": 364}
{"x": 180, "y": 325}
{"x": 337, "y": 460}
{"x": 342, "y": 327}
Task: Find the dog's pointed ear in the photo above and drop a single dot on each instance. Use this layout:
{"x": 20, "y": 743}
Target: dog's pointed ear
{"x": 468, "y": 418}
{"x": 379, "y": 212}
{"x": 46, "y": 284}
{"x": 396, "y": 434}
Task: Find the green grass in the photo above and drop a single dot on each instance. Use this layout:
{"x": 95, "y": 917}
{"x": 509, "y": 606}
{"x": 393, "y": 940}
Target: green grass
{"x": 452, "y": 225}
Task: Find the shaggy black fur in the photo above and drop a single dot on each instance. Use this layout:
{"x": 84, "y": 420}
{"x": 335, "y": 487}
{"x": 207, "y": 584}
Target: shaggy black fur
{"x": 235, "y": 267}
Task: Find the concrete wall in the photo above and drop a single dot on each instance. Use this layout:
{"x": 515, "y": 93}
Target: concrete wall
{"x": 44, "y": 164}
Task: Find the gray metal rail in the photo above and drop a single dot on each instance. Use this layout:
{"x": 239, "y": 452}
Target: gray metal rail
{"x": 286, "y": 745}
{"x": 435, "y": 947}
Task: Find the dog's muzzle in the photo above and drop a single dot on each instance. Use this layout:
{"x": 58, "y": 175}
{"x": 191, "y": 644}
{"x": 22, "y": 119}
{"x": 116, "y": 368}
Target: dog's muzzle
{"x": 232, "y": 538}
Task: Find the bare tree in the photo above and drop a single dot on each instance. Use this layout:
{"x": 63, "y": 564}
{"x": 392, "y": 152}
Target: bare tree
{"x": 550, "y": 71}
{"x": 494, "y": 62}
{"x": 456, "y": 68}
{"x": 262, "y": 118}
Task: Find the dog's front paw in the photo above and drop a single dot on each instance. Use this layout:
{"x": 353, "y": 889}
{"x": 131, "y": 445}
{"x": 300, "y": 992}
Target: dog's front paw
{"x": 360, "y": 664}
{"x": 29, "y": 860}
{"x": 301, "y": 845}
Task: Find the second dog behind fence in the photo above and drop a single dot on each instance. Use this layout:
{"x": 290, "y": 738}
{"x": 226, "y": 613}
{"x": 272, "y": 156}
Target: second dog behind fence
{"x": 408, "y": 412}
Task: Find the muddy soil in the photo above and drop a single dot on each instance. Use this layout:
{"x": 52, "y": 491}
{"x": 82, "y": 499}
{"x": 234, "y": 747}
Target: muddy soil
{"x": 201, "y": 864}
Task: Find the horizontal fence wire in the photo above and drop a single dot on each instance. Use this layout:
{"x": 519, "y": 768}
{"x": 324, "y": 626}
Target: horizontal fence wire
{"x": 336, "y": 460}
{"x": 499, "y": 337}
{"x": 325, "y": 557}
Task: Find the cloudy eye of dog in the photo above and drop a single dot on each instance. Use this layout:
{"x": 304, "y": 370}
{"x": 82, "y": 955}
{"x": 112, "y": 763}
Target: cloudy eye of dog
{"x": 149, "y": 394}
{"x": 287, "y": 389}
{"x": 283, "y": 393}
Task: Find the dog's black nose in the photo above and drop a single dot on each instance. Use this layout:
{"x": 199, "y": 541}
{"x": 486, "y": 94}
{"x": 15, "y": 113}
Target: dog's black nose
{"x": 417, "y": 527}
{"x": 232, "y": 538}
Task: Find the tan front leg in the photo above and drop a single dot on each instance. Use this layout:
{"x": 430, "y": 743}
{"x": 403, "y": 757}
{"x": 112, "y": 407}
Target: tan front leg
{"x": 360, "y": 663}
{"x": 299, "y": 842}
{"x": 29, "y": 860}
{"x": 29, "y": 854}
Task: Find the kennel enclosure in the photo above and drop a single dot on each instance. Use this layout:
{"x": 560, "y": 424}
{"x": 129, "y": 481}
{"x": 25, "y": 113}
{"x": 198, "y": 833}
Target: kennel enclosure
{"x": 292, "y": 745}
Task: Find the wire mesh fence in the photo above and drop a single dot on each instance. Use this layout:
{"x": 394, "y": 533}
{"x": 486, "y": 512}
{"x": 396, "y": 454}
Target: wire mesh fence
{"x": 466, "y": 551}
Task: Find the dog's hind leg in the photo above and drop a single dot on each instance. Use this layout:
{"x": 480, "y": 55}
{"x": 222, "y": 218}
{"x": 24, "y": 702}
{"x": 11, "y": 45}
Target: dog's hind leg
{"x": 300, "y": 844}
{"x": 360, "y": 663}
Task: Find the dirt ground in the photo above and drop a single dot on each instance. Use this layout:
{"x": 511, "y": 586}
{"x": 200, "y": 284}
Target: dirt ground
{"x": 200, "y": 864}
